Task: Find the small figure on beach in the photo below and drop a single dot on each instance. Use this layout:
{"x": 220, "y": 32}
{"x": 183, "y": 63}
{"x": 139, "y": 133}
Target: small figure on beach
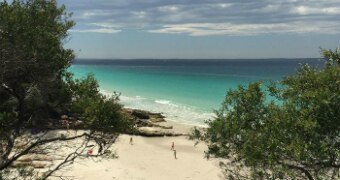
{"x": 66, "y": 124}
{"x": 207, "y": 155}
{"x": 89, "y": 152}
{"x": 175, "y": 154}
{"x": 172, "y": 146}
{"x": 131, "y": 141}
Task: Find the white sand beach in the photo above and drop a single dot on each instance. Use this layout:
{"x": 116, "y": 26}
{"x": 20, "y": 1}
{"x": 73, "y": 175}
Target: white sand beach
{"x": 152, "y": 159}
{"x": 149, "y": 158}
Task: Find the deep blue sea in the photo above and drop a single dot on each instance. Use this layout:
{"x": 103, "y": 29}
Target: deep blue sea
{"x": 186, "y": 91}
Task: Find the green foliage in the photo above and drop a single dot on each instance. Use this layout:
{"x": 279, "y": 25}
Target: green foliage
{"x": 84, "y": 92}
{"x": 35, "y": 84}
{"x": 296, "y": 138}
{"x": 332, "y": 56}
{"x": 104, "y": 115}
{"x": 33, "y": 60}
{"x": 100, "y": 112}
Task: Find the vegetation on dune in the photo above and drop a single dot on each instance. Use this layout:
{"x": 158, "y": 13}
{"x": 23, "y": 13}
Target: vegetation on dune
{"x": 298, "y": 138}
{"x": 35, "y": 85}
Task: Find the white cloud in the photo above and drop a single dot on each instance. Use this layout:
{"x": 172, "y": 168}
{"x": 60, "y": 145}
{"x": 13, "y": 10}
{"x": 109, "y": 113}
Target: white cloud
{"x": 305, "y": 10}
{"x": 100, "y": 30}
{"x": 204, "y": 29}
{"x": 98, "y": 27}
{"x": 270, "y": 8}
{"x": 168, "y": 9}
{"x": 93, "y": 14}
{"x": 205, "y": 17}
{"x": 224, "y": 5}
{"x": 139, "y": 14}
{"x": 104, "y": 24}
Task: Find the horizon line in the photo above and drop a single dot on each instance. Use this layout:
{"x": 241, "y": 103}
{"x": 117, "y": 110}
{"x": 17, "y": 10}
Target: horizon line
{"x": 197, "y": 58}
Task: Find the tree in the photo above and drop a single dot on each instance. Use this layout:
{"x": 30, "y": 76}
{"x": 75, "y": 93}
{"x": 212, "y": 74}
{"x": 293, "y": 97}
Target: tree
{"x": 295, "y": 136}
{"x": 32, "y": 55}
{"x": 35, "y": 84}
{"x": 100, "y": 113}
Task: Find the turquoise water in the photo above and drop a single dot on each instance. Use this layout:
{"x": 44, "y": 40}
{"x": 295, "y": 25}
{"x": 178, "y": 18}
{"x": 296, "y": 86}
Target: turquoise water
{"x": 186, "y": 91}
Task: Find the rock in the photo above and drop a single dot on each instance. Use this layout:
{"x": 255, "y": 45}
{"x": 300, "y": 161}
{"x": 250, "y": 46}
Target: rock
{"x": 156, "y": 115}
{"x": 156, "y": 120}
{"x": 35, "y": 164}
{"x": 140, "y": 114}
{"x": 26, "y": 158}
{"x": 142, "y": 122}
{"x": 156, "y": 132}
{"x": 64, "y": 117}
{"x": 34, "y": 157}
{"x": 160, "y": 126}
{"x": 34, "y": 160}
{"x": 40, "y": 157}
{"x": 127, "y": 110}
{"x": 20, "y": 164}
{"x": 39, "y": 164}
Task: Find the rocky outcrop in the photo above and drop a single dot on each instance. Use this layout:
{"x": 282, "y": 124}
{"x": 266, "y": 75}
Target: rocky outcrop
{"x": 147, "y": 123}
{"x": 156, "y": 132}
{"x": 144, "y": 118}
{"x": 137, "y": 114}
{"x": 140, "y": 114}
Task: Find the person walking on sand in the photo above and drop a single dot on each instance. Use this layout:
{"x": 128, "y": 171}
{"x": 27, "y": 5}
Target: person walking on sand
{"x": 172, "y": 146}
{"x": 131, "y": 141}
{"x": 175, "y": 154}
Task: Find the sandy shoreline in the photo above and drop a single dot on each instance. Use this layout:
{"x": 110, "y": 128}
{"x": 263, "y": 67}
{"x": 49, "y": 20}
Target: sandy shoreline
{"x": 149, "y": 158}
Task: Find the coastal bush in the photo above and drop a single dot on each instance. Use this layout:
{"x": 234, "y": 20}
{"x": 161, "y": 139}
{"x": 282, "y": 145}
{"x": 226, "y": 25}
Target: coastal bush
{"x": 296, "y": 138}
{"x": 36, "y": 89}
{"x": 99, "y": 112}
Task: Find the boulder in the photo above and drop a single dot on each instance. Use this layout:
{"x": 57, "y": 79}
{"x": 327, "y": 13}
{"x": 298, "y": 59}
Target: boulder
{"x": 156, "y": 120}
{"x": 26, "y": 158}
{"x": 140, "y": 114}
{"x": 35, "y": 164}
{"x": 39, "y": 164}
{"x": 20, "y": 164}
{"x": 160, "y": 126}
{"x": 34, "y": 157}
{"x": 156, "y": 115}
{"x": 156, "y": 132}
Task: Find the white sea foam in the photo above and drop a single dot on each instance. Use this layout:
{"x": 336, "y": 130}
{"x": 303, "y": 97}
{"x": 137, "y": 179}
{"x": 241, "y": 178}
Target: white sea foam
{"x": 173, "y": 111}
{"x": 165, "y": 102}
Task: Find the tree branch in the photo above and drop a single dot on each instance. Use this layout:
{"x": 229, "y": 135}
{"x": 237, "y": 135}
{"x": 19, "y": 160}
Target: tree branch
{"x": 302, "y": 169}
{"x": 8, "y": 162}
{"x": 10, "y": 143}
{"x": 70, "y": 158}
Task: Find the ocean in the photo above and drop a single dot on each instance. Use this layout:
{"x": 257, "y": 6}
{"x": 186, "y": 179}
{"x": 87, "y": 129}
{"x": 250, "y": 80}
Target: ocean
{"x": 186, "y": 91}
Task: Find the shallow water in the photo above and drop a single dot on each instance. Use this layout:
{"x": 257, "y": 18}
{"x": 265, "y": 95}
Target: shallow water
{"x": 186, "y": 91}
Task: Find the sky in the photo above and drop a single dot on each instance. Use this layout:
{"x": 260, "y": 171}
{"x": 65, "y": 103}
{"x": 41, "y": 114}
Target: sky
{"x": 222, "y": 29}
